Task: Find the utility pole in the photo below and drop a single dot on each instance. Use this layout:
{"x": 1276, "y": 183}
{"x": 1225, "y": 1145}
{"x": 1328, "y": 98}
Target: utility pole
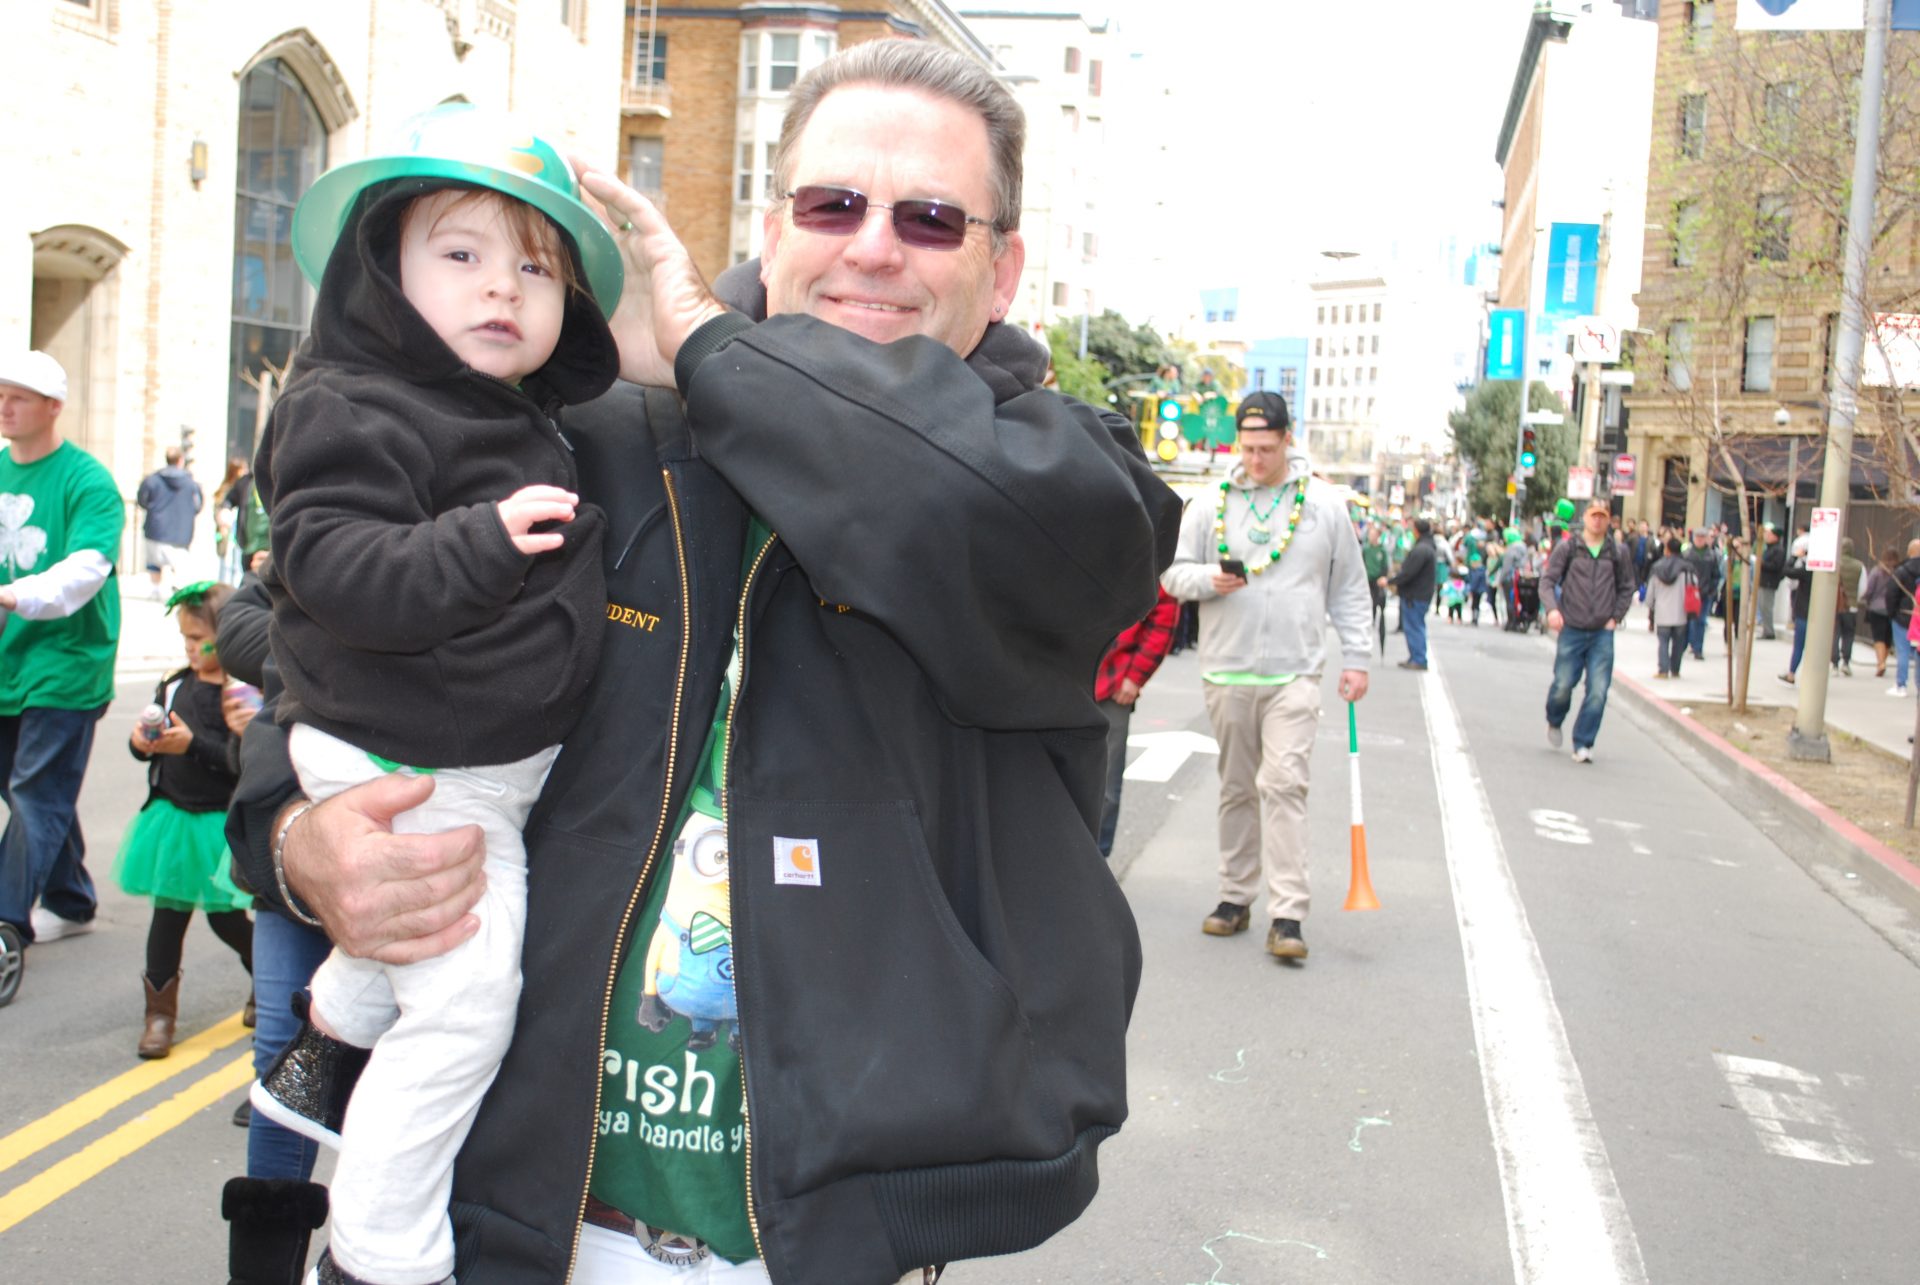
{"x": 1528, "y": 319}
{"x": 1589, "y": 453}
{"x": 1808, "y": 739}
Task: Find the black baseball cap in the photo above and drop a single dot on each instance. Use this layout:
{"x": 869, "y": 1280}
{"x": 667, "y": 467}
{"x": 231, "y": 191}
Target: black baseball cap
{"x": 1271, "y": 407}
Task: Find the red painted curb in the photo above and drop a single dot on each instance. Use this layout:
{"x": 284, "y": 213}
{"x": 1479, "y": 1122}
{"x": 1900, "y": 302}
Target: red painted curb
{"x": 1870, "y": 846}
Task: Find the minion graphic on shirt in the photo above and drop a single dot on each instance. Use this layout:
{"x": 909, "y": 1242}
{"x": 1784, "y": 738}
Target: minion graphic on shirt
{"x": 689, "y": 965}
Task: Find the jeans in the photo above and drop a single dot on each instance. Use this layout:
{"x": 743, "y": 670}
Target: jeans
{"x": 1413, "y": 619}
{"x": 1673, "y": 645}
{"x": 43, "y": 756}
{"x": 1588, "y": 652}
{"x": 1799, "y": 643}
{"x": 1902, "y": 650}
{"x": 1697, "y": 634}
{"x": 1764, "y": 614}
{"x": 1845, "y": 626}
{"x": 1118, "y": 716}
{"x": 285, "y": 953}
{"x": 1476, "y": 589}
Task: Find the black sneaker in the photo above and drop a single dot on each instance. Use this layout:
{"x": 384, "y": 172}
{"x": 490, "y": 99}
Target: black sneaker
{"x": 1284, "y": 941}
{"x": 1226, "y": 920}
{"x": 308, "y": 1086}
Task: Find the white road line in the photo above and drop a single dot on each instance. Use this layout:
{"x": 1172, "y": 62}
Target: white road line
{"x": 1794, "y": 1101}
{"x": 1566, "y": 1221}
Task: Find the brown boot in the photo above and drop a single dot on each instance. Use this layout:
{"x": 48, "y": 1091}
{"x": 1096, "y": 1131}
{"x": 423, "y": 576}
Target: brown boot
{"x": 163, "y": 1008}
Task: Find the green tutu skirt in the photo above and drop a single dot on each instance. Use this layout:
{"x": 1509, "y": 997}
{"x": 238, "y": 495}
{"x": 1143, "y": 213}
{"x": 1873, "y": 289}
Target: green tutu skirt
{"x": 180, "y": 859}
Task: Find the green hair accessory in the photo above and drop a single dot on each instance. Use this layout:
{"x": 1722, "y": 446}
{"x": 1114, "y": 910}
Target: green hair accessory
{"x": 191, "y": 595}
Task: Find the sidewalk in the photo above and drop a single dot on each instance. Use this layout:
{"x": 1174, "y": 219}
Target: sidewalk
{"x": 1858, "y": 705}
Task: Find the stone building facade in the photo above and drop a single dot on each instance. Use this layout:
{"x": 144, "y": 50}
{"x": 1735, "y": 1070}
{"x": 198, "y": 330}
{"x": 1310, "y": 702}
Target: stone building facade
{"x": 1741, "y": 278}
{"x": 161, "y": 148}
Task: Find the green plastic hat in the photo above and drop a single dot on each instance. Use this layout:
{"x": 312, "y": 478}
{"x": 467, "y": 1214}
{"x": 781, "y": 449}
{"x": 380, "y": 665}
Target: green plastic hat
{"x": 1563, "y": 510}
{"x": 1512, "y": 536}
{"x": 465, "y": 144}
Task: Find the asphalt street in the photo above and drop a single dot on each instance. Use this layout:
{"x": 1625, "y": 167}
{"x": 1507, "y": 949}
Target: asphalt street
{"x": 1602, "y": 1029}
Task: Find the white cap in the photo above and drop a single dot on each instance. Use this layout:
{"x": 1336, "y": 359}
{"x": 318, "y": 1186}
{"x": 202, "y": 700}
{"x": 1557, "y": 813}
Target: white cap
{"x": 35, "y": 372}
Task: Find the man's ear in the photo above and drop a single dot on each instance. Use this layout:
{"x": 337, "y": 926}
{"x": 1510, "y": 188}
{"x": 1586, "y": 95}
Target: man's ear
{"x": 1006, "y": 271}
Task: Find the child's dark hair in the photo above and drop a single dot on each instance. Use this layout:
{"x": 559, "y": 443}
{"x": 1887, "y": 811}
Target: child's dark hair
{"x": 533, "y": 234}
{"x": 206, "y": 607}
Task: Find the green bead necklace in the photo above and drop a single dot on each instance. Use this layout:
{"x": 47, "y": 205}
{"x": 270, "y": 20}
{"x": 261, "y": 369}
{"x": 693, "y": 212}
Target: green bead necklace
{"x": 1258, "y": 530}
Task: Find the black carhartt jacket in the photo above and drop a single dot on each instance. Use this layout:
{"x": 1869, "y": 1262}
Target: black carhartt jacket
{"x": 934, "y": 1036}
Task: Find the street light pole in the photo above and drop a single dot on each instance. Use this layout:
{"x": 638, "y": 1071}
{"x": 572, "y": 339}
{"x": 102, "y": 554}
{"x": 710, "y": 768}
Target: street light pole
{"x": 1808, "y": 739}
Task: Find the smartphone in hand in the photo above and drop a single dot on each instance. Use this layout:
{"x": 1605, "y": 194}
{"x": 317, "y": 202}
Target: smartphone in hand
{"x": 1233, "y": 567}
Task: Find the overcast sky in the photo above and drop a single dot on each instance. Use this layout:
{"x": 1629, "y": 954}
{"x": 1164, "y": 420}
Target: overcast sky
{"x": 1304, "y": 125}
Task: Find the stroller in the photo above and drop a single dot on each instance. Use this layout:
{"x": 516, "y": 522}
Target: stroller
{"x": 1523, "y": 604}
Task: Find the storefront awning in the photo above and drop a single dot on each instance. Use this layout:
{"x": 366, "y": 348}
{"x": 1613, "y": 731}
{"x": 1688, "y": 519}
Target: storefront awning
{"x": 1767, "y": 461}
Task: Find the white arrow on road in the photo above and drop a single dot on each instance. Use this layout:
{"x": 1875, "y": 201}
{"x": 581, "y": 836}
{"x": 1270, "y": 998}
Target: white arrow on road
{"x": 1165, "y": 752}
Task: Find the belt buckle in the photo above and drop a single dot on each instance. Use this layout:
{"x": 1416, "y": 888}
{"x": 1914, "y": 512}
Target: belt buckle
{"x": 670, "y": 1249}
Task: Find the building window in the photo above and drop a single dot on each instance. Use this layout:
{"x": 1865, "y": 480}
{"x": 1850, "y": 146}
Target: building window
{"x": 1376, "y": 343}
{"x": 282, "y": 149}
{"x": 1259, "y": 378}
{"x": 1349, "y": 314}
{"x": 1756, "y": 375}
{"x": 649, "y": 61}
{"x": 1059, "y": 294}
{"x": 1373, "y": 375}
{"x": 1316, "y": 350}
{"x": 1773, "y": 227}
{"x": 644, "y": 159}
{"x": 1700, "y": 24}
{"x": 783, "y": 60}
{"x": 743, "y": 174}
{"x": 1093, "y": 78}
{"x": 1320, "y": 316}
{"x": 1289, "y": 383}
{"x": 750, "y": 64}
{"x": 1227, "y": 314}
{"x": 1316, "y": 377}
{"x": 1782, "y": 109}
{"x": 1316, "y": 409}
{"x": 1686, "y": 233}
{"x": 1090, "y": 249}
{"x": 1376, "y": 312}
{"x": 573, "y": 16}
{"x": 1693, "y": 125}
{"x": 1680, "y": 355}
{"x": 1073, "y": 60}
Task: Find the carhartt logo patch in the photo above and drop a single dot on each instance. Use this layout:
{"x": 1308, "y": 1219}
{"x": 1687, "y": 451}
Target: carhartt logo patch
{"x": 796, "y": 861}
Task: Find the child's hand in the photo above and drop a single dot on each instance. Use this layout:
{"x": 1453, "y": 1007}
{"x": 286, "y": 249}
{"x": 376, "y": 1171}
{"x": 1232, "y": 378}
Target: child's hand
{"x": 174, "y": 740}
{"x": 535, "y": 504}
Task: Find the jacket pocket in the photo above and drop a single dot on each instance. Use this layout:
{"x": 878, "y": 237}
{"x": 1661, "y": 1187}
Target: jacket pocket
{"x": 878, "y": 1033}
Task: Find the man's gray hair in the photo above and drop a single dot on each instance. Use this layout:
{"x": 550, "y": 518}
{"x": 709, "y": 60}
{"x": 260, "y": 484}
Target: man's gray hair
{"x": 931, "y": 69}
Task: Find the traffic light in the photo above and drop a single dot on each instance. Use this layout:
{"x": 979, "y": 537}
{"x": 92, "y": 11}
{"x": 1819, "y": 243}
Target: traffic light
{"x": 1529, "y": 454}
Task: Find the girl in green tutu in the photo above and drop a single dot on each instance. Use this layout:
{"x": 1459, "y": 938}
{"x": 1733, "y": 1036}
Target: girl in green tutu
{"x": 176, "y": 849}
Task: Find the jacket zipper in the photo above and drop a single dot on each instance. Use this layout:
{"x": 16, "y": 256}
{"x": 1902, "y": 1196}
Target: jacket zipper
{"x": 726, "y": 759}
{"x": 646, "y": 869}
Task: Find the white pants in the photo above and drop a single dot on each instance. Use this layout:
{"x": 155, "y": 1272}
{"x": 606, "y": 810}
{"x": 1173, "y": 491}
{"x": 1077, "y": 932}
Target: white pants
{"x": 609, "y": 1258}
{"x": 438, "y": 1028}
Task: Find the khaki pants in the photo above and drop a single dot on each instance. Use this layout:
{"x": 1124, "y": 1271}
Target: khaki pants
{"x": 1266, "y": 753}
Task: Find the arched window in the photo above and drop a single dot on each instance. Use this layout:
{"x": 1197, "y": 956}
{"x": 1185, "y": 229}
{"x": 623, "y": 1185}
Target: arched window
{"x": 282, "y": 149}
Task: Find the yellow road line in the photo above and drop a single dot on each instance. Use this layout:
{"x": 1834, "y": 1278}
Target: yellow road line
{"x": 35, "y": 1194}
{"x": 94, "y": 1103}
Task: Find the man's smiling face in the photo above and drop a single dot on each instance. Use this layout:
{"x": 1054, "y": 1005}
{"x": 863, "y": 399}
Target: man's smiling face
{"x": 892, "y": 145}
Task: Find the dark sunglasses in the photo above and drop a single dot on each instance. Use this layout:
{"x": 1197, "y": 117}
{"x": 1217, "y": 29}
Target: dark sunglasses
{"x": 839, "y": 211}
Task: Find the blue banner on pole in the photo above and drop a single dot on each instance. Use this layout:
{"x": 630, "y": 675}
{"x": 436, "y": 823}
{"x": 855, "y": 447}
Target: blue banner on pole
{"x": 1504, "y": 335}
{"x": 1573, "y": 270}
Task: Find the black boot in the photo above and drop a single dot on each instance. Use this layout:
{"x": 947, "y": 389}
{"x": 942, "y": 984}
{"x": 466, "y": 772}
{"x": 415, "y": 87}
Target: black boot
{"x": 270, "y": 1222}
{"x": 308, "y": 1086}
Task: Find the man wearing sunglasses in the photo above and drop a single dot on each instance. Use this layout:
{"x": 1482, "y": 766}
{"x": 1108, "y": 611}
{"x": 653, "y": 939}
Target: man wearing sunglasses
{"x": 825, "y": 979}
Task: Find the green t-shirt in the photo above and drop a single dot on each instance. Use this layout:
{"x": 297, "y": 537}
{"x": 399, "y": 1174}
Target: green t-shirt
{"x": 673, "y": 1122}
{"x": 49, "y": 510}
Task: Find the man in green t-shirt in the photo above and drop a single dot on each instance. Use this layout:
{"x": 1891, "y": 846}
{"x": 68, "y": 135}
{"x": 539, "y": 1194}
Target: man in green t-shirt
{"x": 60, "y": 520}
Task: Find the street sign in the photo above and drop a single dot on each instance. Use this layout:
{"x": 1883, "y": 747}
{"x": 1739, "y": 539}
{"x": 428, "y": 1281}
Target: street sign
{"x": 1596, "y": 339}
{"x": 1396, "y": 494}
{"x": 1823, "y": 541}
{"x": 1625, "y": 471}
{"x": 1543, "y": 417}
{"x": 1579, "y": 484}
{"x": 1512, "y": 485}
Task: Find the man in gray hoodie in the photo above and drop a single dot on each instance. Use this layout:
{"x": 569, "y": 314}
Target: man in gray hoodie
{"x": 1272, "y": 555}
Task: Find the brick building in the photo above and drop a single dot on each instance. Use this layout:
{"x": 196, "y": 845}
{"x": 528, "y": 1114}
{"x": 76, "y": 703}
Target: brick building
{"x": 1741, "y": 279}
{"x": 161, "y": 149}
{"x": 703, "y": 90}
